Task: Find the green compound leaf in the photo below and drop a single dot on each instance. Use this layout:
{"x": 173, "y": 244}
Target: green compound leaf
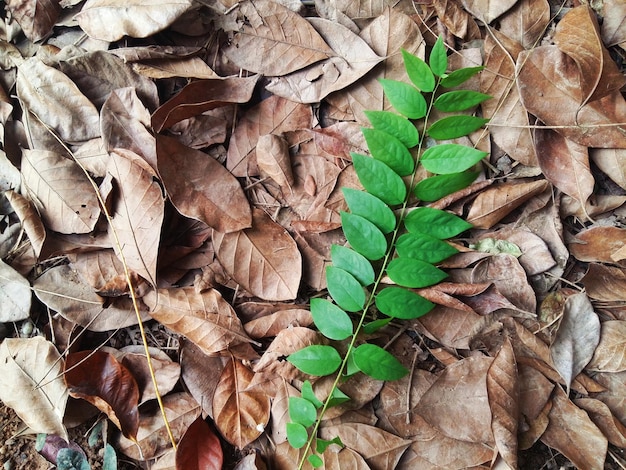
{"x": 419, "y": 72}
{"x": 337, "y": 398}
{"x": 302, "y": 411}
{"x": 308, "y": 394}
{"x": 414, "y": 273}
{"x": 401, "y": 303}
{"x": 393, "y": 124}
{"x": 369, "y": 206}
{"x": 438, "y": 58}
{"x": 405, "y": 98}
{"x": 315, "y": 460}
{"x": 363, "y": 236}
{"x": 456, "y": 78}
{"x": 434, "y": 188}
{"x": 452, "y": 127}
{"x": 379, "y": 180}
{"x": 353, "y": 262}
{"x": 332, "y": 322}
{"x": 389, "y": 150}
{"x": 374, "y": 326}
{"x": 322, "y": 444}
{"x": 345, "y": 290}
{"x": 377, "y": 363}
{"x": 445, "y": 159}
{"x": 440, "y": 224}
{"x": 424, "y": 247}
{"x": 317, "y": 359}
{"x": 459, "y": 100}
{"x": 297, "y": 435}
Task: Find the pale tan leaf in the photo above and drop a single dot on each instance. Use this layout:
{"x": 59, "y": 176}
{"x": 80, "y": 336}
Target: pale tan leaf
{"x": 526, "y": 22}
{"x": 240, "y": 414}
{"x": 613, "y": 24}
{"x": 287, "y": 458}
{"x": 280, "y": 411}
{"x": 29, "y": 218}
{"x": 273, "y": 40}
{"x": 189, "y": 67}
{"x": 36, "y": 17}
{"x": 264, "y": 259}
{"x": 577, "y": 337}
{"x": 359, "y": 10}
{"x": 15, "y": 295}
{"x": 111, "y": 20}
{"x": 32, "y": 383}
{"x": 196, "y": 184}
{"x": 138, "y": 212}
{"x": 459, "y": 22}
{"x": 272, "y": 324}
{"x": 610, "y": 355}
{"x": 598, "y": 244}
{"x": 488, "y": 10}
{"x": 602, "y": 417}
{"x": 202, "y": 131}
{"x": 57, "y": 101}
{"x": 103, "y": 271}
{"x": 612, "y": 162}
{"x": 272, "y": 156}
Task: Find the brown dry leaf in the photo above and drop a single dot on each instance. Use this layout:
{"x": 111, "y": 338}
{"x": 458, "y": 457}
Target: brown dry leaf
{"x": 29, "y": 217}
{"x": 152, "y": 438}
{"x": 450, "y": 327}
{"x": 240, "y": 413}
{"x": 32, "y": 383}
{"x": 610, "y": 355}
{"x": 274, "y": 323}
{"x": 458, "y": 404}
{"x": 286, "y": 457}
{"x": 526, "y": 22}
{"x": 138, "y": 212}
{"x": 188, "y": 67}
{"x": 615, "y": 394}
{"x": 360, "y": 388}
{"x": 205, "y": 318}
{"x": 578, "y": 35}
{"x": 55, "y": 99}
{"x": 274, "y": 115}
{"x": 280, "y": 411}
{"x": 455, "y": 18}
{"x": 577, "y": 337}
{"x": 264, "y": 259}
{"x": 598, "y": 244}
{"x": 199, "y": 448}
{"x": 166, "y": 371}
{"x": 534, "y": 392}
{"x": 103, "y": 271}
{"x": 549, "y": 83}
{"x": 111, "y": 20}
{"x": 613, "y": 24}
{"x": 572, "y": 433}
{"x": 605, "y": 282}
{"x": 352, "y": 58}
{"x": 602, "y": 417}
{"x": 15, "y": 295}
{"x": 201, "y": 96}
{"x": 612, "y": 162}
{"x": 565, "y": 164}
{"x": 272, "y": 40}
{"x": 272, "y": 157}
{"x": 196, "y": 184}
{"x": 496, "y": 202}
{"x": 202, "y": 131}
{"x": 488, "y": 10}
{"x": 36, "y": 17}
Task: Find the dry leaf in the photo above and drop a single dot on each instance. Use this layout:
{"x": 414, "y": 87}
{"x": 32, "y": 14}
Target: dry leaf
{"x": 15, "y": 295}
{"x": 612, "y": 162}
{"x": 526, "y": 22}
{"x": 605, "y": 282}
{"x": 602, "y": 417}
{"x": 274, "y": 323}
{"x": 535, "y": 391}
{"x": 610, "y": 355}
{"x": 29, "y": 217}
{"x": 488, "y": 10}
{"x": 272, "y": 157}
{"x": 613, "y": 25}
{"x": 36, "y": 17}
{"x": 598, "y": 244}
{"x": 199, "y": 448}
{"x": 450, "y": 327}
{"x": 286, "y": 457}
{"x": 103, "y": 271}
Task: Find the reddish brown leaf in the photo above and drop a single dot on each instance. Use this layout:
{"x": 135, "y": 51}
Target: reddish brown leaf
{"x": 100, "y": 379}
{"x": 199, "y": 449}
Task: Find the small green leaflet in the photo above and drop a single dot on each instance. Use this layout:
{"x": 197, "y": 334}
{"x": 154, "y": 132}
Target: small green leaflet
{"x": 456, "y": 78}
{"x": 345, "y": 290}
{"x": 459, "y": 100}
{"x": 377, "y": 363}
{"x": 369, "y": 206}
{"x": 405, "y": 98}
{"x": 317, "y": 360}
{"x": 322, "y": 444}
{"x": 70, "y": 459}
{"x": 440, "y": 224}
{"x": 409, "y": 272}
{"x": 308, "y": 394}
{"x": 374, "y": 326}
{"x": 452, "y": 127}
{"x": 438, "y": 59}
{"x": 353, "y": 262}
{"x": 337, "y": 398}
{"x": 379, "y": 180}
{"x": 401, "y": 303}
{"x": 389, "y": 150}
{"x": 364, "y": 237}
{"x": 315, "y": 461}
{"x": 297, "y": 435}
{"x": 398, "y": 126}
{"x": 451, "y": 158}
{"x": 434, "y": 188}
{"x": 424, "y": 247}
{"x": 109, "y": 458}
{"x": 330, "y": 320}
{"x": 419, "y": 72}
{"x": 302, "y": 411}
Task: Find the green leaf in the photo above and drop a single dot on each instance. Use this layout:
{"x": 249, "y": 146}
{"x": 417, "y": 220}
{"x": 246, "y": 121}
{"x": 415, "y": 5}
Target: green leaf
{"x": 337, "y": 398}
{"x": 438, "y": 58}
{"x": 424, "y": 247}
{"x": 109, "y": 459}
{"x": 317, "y": 359}
{"x": 379, "y": 180}
{"x": 459, "y": 100}
{"x": 377, "y": 363}
{"x": 369, "y": 206}
{"x": 419, "y": 72}
{"x": 401, "y": 303}
{"x": 459, "y": 76}
{"x": 398, "y": 126}
{"x": 322, "y": 444}
{"x": 315, "y": 460}
{"x": 434, "y": 188}
{"x": 353, "y": 262}
{"x": 405, "y": 98}
{"x": 307, "y": 393}
{"x": 363, "y": 236}
{"x": 389, "y": 150}
{"x": 374, "y": 326}
{"x": 440, "y": 224}
{"x": 297, "y": 435}
{"x": 414, "y": 273}
{"x": 332, "y": 322}
{"x": 345, "y": 290}
{"x": 302, "y": 411}
{"x": 70, "y": 459}
{"x": 451, "y": 158}
{"x": 452, "y": 127}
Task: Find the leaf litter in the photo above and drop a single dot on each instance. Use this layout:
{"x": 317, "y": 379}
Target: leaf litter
{"x": 218, "y": 138}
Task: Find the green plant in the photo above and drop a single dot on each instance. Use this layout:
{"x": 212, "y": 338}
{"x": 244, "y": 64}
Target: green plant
{"x": 386, "y": 238}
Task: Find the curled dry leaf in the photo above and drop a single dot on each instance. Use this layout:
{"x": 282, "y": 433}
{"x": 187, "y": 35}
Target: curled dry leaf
{"x": 32, "y": 383}
{"x": 199, "y": 449}
{"x": 196, "y": 184}
{"x": 264, "y": 259}
{"x": 36, "y": 17}
{"x": 610, "y": 355}
{"x": 166, "y": 371}
{"x": 32, "y": 224}
{"x": 613, "y": 26}
{"x": 612, "y": 163}
{"x": 111, "y": 20}
{"x": 15, "y": 295}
